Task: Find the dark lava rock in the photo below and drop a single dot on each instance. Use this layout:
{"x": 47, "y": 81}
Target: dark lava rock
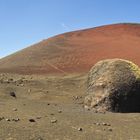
{"x": 13, "y": 94}
{"x": 113, "y": 85}
{"x": 31, "y": 120}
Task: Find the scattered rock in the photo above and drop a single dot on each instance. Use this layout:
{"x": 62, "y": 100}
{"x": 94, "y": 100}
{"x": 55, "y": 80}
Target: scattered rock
{"x": 105, "y": 124}
{"x": 10, "y": 80}
{"x": 108, "y": 124}
{"x": 7, "y": 119}
{"x": 59, "y": 111}
{"x": 6, "y": 81}
{"x": 75, "y": 97}
{"x": 1, "y": 118}
{"x": 16, "y": 119}
{"x": 22, "y": 85}
{"x": 13, "y": 94}
{"x": 110, "y": 129}
{"x": 80, "y": 129}
{"x": 20, "y": 81}
{"x": 22, "y": 78}
{"x": 52, "y": 114}
{"x": 96, "y": 123}
{"x": 14, "y": 109}
{"x": 54, "y": 121}
{"x": 31, "y": 120}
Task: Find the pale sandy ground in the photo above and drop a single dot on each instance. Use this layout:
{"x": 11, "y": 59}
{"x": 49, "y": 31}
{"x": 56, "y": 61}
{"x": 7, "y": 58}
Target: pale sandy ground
{"x": 60, "y": 99}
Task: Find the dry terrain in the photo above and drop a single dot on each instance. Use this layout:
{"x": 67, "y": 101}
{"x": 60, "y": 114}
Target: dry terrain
{"x": 51, "y": 108}
{"x": 42, "y": 87}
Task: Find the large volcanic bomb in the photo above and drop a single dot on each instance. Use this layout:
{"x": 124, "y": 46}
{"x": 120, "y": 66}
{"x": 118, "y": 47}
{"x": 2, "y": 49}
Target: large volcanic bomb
{"x": 114, "y": 85}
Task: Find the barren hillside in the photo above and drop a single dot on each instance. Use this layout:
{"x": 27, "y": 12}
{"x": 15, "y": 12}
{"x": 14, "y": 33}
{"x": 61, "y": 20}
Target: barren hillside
{"x": 77, "y": 51}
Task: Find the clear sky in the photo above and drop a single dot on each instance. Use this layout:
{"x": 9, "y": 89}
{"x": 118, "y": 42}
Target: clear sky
{"x": 25, "y": 22}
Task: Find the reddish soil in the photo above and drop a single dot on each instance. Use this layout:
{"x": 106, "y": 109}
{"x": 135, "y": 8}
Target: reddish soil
{"x": 76, "y": 51}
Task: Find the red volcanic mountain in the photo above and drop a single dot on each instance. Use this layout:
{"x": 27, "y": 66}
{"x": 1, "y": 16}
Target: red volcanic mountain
{"x": 76, "y": 51}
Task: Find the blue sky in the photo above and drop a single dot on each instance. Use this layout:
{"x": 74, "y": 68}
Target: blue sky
{"x": 25, "y": 22}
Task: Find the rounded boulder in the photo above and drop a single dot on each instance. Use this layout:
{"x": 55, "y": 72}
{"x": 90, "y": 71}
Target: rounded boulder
{"x": 113, "y": 85}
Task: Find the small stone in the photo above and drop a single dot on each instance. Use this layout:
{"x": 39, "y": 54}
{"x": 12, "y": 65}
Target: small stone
{"x": 48, "y": 104}
{"x": 1, "y": 118}
{"x": 105, "y": 124}
{"x": 59, "y": 111}
{"x": 80, "y": 129}
{"x": 31, "y": 120}
{"x": 7, "y": 81}
{"x": 20, "y": 81}
{"x": 54, "y": 121}
{"x": 76, "y": 97}
{"x": 12, "y": 94}
{"x": 110, "y": 129}
{"x": 22, "y": 85}
{"x": 16, "y": 119}
{"x": 10, "y": 79}
{"x": 108, "y": 124}
{"x": 7, "y": 119}
{"x": 51, "y": 114}
{"x": 14, "y": 109}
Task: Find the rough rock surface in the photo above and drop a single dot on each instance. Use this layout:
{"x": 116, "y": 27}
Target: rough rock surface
{"x": 114, "y": 85}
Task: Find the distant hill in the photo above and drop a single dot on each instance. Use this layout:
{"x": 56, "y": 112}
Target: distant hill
{"x": 76, "y": 52}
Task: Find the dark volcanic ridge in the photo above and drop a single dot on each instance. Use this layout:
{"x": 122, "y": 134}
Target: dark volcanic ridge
{"x": 76, "y": 52}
